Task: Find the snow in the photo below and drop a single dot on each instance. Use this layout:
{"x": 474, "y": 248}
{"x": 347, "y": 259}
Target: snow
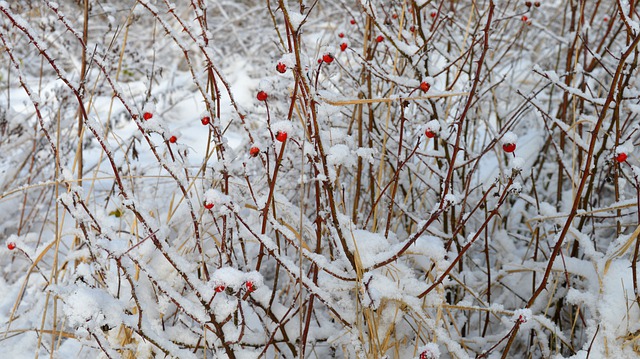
{"x": 137, "y": 264}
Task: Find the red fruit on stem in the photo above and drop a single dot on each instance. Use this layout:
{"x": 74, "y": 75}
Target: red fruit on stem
{"x": 343, "y": 46}
{"x": 424, "y": 86}
{"x": 249, "y": 285}
{"x": 281, "y": 68}
{"x": 429, "y": 133}
{"x": 147, "y": 116}
{"x": 11, "y": 246}
{"x": 536, "y": 4}
{"x": 205, "y": 120}
{"x": 208, "y": 205}
{"x": 341, "y": 35}
{"x": 220, "y": 288}
{"x": 319, "y": 61}
{"x": 254, "y": 151}
{"x": 434, "y": 14}
{"x": 281, "y": 136}
{"x": 412, "y": 28}
{"x": 605, "y": 19}
{"x": 509, "y": 147}
{"x": 262, "y": 96}
{"x": 621, "y": 157}
{"x": 527, "y": 3}
{"x": 395, "y": 16}
{"x": 380, "y": 38}
{"x": 173, "y": 139}
{"x": 328, "y": 58}
{"x": 353, "y": 21}
{"x": 524, "y": 18}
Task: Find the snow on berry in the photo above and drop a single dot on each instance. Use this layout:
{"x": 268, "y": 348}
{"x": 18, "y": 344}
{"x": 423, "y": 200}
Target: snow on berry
{"x": 509, "y": 137}
{"x": 432, "y": 128}
{"x": 429, "y": 351}
{"x": 285, "y": 128}
{"x": 522, "y": 315}
{"x": 622, "y": 152}
{"x": 214, "y": 198}
{"x": 11, "y": 245}
{"x": 281, "y": 68}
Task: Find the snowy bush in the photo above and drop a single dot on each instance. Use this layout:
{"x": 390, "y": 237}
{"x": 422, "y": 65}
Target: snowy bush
{"x": 372, "y": 179}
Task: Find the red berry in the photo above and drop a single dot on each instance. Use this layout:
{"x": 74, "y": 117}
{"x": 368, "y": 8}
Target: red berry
{"x": 353, "y": 21}
{"x": 173, "y": 139}
{"x": 147, "y": 116}
{"x": 281, "y": 68}
{"x": 527, "y": 3}
{"x": 11, "y": 246}
{"x": 621, "y": 157}
{"x": 319, "y": 61}
{"x": 328, "y": 58}
{"x": 429, "y": 133}
{"x": 509, "y": 147}
{"x": 208, "y": 205}
{"x": 434, "y": 14}
{"x": 219, "y": 288}
{"x": 341, "y": 35}
{"x": 205, "y": 120}
{"x": 525, "y": 18}
{"x": 261, "y": 96}
{"x": 412, "y": 28}
{"x": 380, "y": 38}
{"x": 281, "y": 136}
{"x": 343, "y": 46}
{"x": 395, "y": 16}
{"x": 424, "y": 86}
{"x": 536, "y": 4}
{"x": 254, "y": 151}
{"x": 249, "y": 285}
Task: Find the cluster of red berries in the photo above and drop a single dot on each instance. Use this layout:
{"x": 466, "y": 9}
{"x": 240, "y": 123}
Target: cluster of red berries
{"x": 248, "y": 285}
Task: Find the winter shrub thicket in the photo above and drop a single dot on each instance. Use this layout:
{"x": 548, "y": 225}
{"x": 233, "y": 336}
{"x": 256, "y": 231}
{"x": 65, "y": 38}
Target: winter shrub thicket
{"x": 372, "y": 179}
